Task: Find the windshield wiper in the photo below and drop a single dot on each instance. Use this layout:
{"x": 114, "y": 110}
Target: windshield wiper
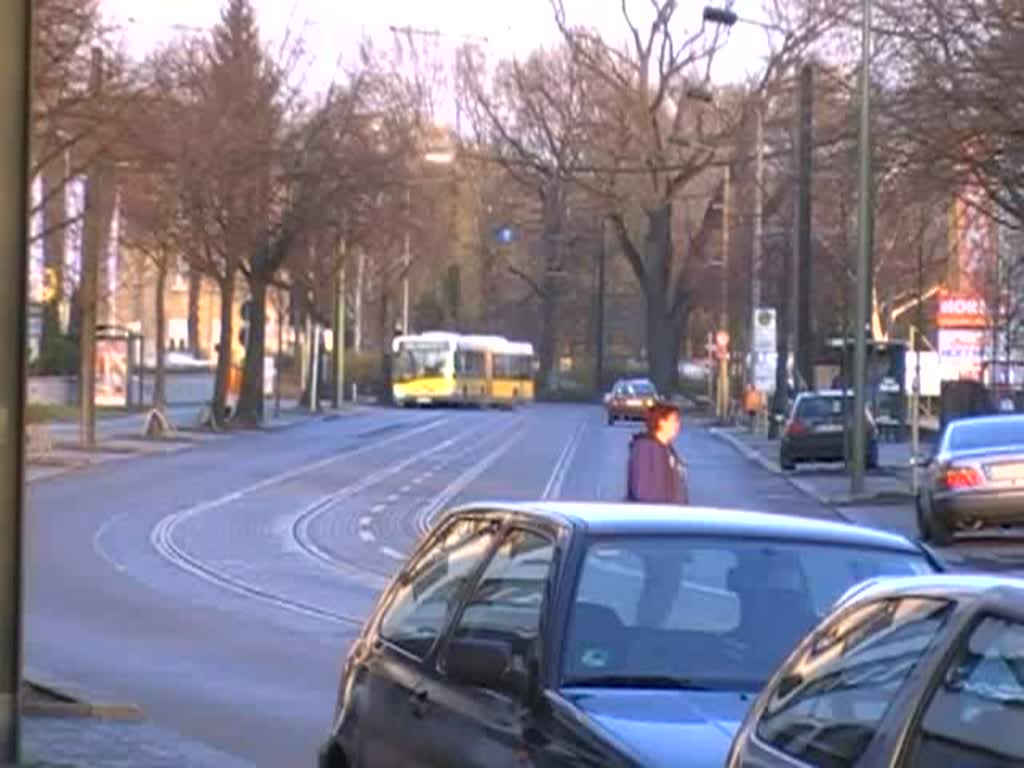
{"x": 669, "y": 682}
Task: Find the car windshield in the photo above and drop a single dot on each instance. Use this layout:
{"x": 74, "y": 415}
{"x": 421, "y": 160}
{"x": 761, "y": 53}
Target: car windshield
{"x": 638, "y": 389}
{"x": 420, "y": 359}
{"x": 703, "y": 612}
{"x": 987, "y": 433}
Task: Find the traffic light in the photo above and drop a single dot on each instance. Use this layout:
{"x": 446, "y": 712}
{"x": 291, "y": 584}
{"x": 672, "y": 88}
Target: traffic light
{"x": 246, "y": 315}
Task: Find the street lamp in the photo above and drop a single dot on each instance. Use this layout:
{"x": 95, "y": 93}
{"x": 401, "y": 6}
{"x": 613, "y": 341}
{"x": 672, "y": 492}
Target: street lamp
{"x": 863, "y": 257}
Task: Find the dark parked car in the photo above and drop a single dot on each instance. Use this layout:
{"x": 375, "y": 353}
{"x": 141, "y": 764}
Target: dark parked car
{"x": 975, "y": 479}
{"x": 630, "y": 399}
{"x": 556, "y": 634}
{"x": 819, "y": 426}
{"x": 923, "y": 672}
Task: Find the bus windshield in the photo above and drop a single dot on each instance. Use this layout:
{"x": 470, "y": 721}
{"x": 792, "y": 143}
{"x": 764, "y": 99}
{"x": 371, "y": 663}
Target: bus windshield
{"x": 420, "y": 359}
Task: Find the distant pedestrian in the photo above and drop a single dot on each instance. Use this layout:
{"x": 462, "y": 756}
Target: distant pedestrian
{"x": 656, "y": 475}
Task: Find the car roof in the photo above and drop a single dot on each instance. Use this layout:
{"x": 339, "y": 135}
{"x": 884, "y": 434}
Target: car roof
{"x": 986, "y": 419}
{"x": 959, "y": 586}
{"x": 631, "y": 518}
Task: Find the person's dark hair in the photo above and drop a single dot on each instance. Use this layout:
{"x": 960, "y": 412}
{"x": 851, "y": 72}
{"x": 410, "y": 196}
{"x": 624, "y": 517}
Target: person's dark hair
{"x": 658, "y": 412}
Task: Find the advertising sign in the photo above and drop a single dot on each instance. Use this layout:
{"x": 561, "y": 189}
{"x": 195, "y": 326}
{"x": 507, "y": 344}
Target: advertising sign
{"x": 961, "y": 311}
{"x": 961, "y": 353}
{"x": 112, "y": 372}
{"x": 765, "y": 333}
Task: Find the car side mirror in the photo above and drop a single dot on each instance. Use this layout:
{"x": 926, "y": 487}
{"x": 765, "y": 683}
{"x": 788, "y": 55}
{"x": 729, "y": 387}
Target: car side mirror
{"x": 921, "y": 460}
{"x": 481, "y": 663}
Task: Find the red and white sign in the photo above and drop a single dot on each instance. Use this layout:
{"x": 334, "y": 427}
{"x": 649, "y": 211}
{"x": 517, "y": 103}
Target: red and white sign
{"x": 962, "y": 311}
{"x": 961, "y": 353}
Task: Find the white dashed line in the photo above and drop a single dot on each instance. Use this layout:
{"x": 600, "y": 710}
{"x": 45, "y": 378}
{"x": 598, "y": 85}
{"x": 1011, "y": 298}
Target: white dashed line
{"x": 366, "y": 535}
{"x": 378, "y": 508}
{"x": 365, "y": 521}
{"x": 405, "y": 489}
{"x": 418, "y": 480}
{"x": 392, "y": 553}
{"x": 393, "y": 497}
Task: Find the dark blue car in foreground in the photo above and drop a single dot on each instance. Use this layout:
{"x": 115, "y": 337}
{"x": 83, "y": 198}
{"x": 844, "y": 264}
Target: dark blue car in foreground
{"x": 590, "y": 634}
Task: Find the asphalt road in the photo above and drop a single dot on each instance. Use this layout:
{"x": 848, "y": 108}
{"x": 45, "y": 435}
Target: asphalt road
{"x": 218, "y": 588}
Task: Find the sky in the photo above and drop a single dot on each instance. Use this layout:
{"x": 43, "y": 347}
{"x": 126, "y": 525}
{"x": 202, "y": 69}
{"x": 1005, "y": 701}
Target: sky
{"x": 332, "y": 29}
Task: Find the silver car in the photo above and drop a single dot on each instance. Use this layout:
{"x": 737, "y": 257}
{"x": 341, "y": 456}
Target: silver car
{"x": 975, "y": 478}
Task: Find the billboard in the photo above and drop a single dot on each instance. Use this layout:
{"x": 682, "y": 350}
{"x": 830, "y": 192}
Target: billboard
{"x": 112, "y": 372}
{"x": 961, "y": 353}
{"x": 957, "y": 310}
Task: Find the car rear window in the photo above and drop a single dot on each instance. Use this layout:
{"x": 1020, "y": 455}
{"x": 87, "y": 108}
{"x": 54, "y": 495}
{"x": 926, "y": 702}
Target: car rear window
{"x": 822, "y": 408}
{"x": 987, "y": 434}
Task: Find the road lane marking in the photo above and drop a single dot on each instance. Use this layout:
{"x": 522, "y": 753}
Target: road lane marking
{"x": 392, "y": 498}
{"x": 291, "y": 474}
{"x": 405, "y": 489}
{"x": 162, "y": 536}
{"x": 392, "y": 553}
{"x": 367, "y": 535}
{"x": 304, "y": 521}
{"x": 365, "y": 521}
{"x": 97, "y": 545}
{"x": 459, "y": 484}
{"x": 378, "y": 508}
{"x": 553, "y": 489}
{"x": 418, "y": 480}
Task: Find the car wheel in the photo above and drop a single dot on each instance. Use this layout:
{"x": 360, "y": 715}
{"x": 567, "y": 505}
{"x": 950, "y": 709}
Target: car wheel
{"x": 786, "y": 462}
{"x": 331, "y": 756}
{"x": 611, "y": 420}
{"x": 934, "y": 528}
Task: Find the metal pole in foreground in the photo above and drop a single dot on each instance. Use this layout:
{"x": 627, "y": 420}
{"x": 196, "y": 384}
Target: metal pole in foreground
{"x": 15, "y": 36}
{"x": 406, "y": 261}
{"x": 863, "y": 255}
{"x": 723, "y": 382}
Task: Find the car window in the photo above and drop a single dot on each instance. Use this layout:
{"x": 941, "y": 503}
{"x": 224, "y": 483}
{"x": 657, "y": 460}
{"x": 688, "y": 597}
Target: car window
{"x": 725, "y": 612}
{"x": 507, "y": 601}
{"x": 831, "y": 700}
{"x": 988, "y": 433}
{"x": 975, "y": 718}
{"x": 430, "y": 588}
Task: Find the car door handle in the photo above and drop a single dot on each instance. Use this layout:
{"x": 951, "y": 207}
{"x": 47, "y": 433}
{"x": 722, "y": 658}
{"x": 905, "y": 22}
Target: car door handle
{"x": 418, "y": 701}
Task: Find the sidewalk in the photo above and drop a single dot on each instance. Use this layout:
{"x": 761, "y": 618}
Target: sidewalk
{"x": 829, "y": 484}
{"x": 63, "y": 742}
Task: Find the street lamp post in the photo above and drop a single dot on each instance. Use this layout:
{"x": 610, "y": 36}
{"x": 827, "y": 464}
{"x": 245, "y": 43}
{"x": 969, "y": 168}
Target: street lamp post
{"x": 863, "y": 257}
{"x": 14, "y": 153}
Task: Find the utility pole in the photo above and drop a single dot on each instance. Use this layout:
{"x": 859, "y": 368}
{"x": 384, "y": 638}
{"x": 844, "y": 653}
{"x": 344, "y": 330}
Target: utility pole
{"x": 863, "y": 259}
{"x": 406, "y": 261}
{"x": 338, "y": 397}
{"x": 805, "y": 282}
{"x": 602, "y": 257}
{"x": 314, "y": 385}
{"x": 15, "y": 90}
{"x": 756, "y": 251}
{"x": 96, "y": 233}
{"x": 723, "y": 364}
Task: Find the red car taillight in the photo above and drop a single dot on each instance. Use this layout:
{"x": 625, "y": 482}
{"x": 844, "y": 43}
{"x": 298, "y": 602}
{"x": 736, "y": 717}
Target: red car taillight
{"x": 961, "y": 477}
{"x": 795, "y": 428}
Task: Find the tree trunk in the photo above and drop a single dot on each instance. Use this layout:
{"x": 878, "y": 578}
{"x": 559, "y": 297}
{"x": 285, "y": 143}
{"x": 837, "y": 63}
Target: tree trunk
{"x": 663, "y": 316}
{"x": 220, "y": 385}
{"x": 250, "y": 401}
{"x": 194, "y": 284}
{"x": 160, "y": 376}
{"x": 54, "y": 247}
{"x": 546, "y": 349}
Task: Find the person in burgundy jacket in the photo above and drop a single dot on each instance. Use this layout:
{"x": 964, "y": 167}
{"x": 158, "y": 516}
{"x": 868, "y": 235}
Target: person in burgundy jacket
{"x": 656, "y": 475}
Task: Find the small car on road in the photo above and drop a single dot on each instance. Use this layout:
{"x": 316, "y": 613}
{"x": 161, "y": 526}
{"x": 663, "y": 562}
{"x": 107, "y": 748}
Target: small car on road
{"x": 918, "y": 672}
{"x": 975, "y": 478}
{"x": 590, "y": 634}
{"x": 819, "y": 428}
{"x": 630, "y": 399}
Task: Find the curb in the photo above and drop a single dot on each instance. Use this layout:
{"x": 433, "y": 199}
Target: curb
{"x": 881, "y": 498}
{"x": 47, "y": 700}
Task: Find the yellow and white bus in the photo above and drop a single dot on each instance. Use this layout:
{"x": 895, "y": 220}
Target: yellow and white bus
{"x": 449, "y": 369}
{"x": 512, "y": 373}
